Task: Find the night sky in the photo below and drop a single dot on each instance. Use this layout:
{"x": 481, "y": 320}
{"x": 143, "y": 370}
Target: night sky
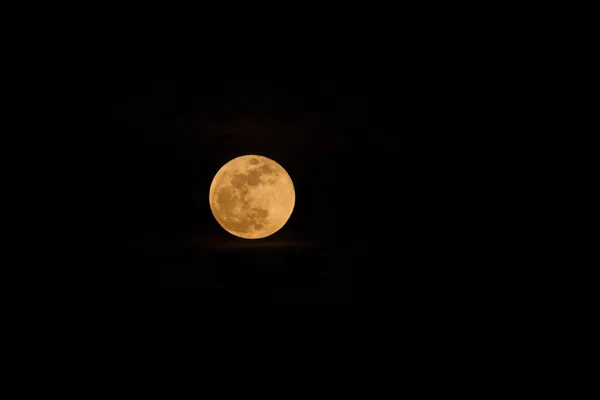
{"x": 172, "y": 137}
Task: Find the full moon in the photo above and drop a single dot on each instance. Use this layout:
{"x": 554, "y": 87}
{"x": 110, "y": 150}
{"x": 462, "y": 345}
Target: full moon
{"x": 252, "y": 197}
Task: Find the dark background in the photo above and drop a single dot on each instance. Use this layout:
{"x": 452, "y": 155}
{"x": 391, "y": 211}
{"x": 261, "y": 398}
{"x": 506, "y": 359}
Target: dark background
{"x": 172, "y": 136}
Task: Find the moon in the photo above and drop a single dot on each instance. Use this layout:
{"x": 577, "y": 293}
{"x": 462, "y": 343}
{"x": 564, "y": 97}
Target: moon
{"x": 252, "y": 197}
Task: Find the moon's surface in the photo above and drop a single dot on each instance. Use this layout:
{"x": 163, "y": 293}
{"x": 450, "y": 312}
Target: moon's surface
{"x": 252, "y": 197}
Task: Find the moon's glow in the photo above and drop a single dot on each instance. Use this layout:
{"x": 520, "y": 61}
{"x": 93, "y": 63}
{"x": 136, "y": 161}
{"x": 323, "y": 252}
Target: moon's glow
{"x": 252, "y": 197}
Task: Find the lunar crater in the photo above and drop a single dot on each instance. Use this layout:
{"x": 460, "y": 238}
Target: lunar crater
{"x": 239, "y": 181}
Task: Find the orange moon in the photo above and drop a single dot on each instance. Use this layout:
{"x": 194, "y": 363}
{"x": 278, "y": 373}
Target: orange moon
{"x": 252, "y": 197}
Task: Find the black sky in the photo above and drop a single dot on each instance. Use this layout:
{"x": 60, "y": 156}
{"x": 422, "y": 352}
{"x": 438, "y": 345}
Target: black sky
{"x": 172, "y": 136}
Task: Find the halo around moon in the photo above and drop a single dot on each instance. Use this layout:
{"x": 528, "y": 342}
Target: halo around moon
{"x": 252, "y": 197}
